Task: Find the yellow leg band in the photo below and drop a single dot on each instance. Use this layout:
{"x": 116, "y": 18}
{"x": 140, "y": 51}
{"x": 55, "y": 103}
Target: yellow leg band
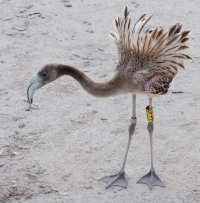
{"x": 150, "y": 116}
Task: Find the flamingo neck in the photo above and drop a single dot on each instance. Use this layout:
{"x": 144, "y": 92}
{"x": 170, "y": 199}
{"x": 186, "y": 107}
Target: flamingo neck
{"x": 97, "y": 89}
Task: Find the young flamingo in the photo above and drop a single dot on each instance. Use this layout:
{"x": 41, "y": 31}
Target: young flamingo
{"x": 148, "y": 61}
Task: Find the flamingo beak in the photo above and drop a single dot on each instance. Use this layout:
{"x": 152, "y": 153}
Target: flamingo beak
{"x": 33, "y": 84}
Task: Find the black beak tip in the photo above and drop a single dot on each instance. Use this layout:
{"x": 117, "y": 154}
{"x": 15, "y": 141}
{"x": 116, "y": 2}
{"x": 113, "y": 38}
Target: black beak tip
{"x": 29, "y": 108}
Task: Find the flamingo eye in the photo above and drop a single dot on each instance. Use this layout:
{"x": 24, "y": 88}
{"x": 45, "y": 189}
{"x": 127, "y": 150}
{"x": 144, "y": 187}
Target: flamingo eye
{"x": 44, "y": 74}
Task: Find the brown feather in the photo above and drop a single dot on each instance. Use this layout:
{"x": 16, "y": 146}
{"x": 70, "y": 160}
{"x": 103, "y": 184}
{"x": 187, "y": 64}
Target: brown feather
{"x": 178, "y": 29}
{"x": 126, "y": 11}
{"x": 173, "y": 40}
{"x": 182, "y": 48}
{"x": 185, "y": 34}
{"x": 184, "y": 40}
{"x": 159, "y": 33}
{"x": 144, "y": 24}
{"x": 188, "y": 57}
{"x": 172, "y": 30}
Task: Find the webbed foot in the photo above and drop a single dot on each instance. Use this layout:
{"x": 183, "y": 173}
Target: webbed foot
{"x": 151, "y": 179}
{"x": 115, "y": 180}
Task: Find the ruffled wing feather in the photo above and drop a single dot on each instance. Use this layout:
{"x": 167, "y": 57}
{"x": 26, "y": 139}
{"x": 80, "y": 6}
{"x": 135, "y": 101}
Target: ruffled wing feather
{"x": 156, "y": 54}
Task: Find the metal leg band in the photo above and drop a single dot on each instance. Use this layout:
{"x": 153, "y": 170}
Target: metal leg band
{"x": 133, "y": 120}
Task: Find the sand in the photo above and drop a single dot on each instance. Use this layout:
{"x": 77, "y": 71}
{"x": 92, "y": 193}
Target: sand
{"x": 58, "y": 151}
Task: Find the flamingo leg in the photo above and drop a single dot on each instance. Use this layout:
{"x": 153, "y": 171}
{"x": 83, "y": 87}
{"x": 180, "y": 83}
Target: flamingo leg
{"x": 119, "y": 178}
{"x": 151, "y": 179}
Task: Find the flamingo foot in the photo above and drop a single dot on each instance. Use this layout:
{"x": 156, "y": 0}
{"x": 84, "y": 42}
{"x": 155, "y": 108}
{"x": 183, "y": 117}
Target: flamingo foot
{"x": 115, "y": 180}
{"x": 151, "y": 179}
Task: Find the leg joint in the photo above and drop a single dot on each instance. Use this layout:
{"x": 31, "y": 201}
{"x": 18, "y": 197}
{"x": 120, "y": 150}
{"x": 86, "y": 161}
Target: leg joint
{"x": 132, "y": 125}
{"x": 132, "y": 129}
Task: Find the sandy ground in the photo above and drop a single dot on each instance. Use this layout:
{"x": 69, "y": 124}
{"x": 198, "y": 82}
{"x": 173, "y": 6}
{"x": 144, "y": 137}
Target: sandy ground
{"x": 59, "y": 150}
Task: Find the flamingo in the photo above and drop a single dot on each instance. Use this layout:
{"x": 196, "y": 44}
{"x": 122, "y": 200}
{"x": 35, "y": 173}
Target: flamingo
{"x": 148, "y": 61}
